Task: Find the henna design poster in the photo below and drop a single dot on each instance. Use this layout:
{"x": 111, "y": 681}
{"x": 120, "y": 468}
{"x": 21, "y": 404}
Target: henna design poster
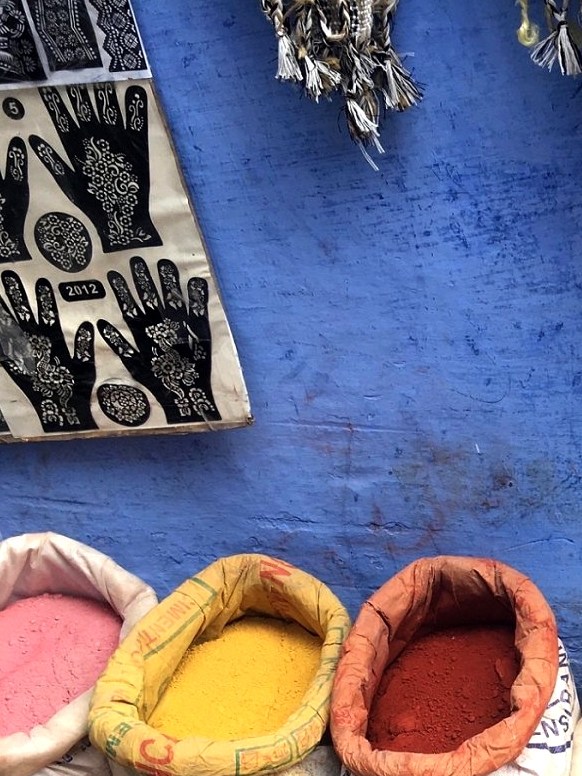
{"x": 54, "y": 42}
{"x": 110, "y": 318}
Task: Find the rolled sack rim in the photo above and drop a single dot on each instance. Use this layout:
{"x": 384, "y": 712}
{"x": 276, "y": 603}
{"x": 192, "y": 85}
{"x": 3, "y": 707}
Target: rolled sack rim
{"x": 498, "y": 745}
{"x": 116, "y": 723}
{"x": 30, "y": 565}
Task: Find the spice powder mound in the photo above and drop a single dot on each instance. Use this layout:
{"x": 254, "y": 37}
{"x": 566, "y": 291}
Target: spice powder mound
{"x": 245, "y": 683}
{"x": 52, "y": 649}
{"x": 444, "y": 688}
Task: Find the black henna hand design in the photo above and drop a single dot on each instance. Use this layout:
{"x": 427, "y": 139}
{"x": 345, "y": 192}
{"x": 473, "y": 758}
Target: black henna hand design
{"x": 109, "y": 177}
{"x": 14, "y": 199}
{"x": 172, "y": 356}
{"x": 57, "y": 384}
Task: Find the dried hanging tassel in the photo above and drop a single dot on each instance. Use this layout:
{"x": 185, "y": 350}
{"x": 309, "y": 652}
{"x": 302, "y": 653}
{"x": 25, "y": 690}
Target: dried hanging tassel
{"x": 288, "y": 67}
{"x": 319, "y": 75}
{"x": 559, "y": 44}
{"x": 391, "y": 78}
{"x": 335, "y": 45}
{"x": 363, "y": 125}
{"x": 320, "y": 78}
{"x": 363, "y": 118}
{"x": 357, "y": 68}
{"x": 374, "y": 70}
{"x": 404, "y": 93}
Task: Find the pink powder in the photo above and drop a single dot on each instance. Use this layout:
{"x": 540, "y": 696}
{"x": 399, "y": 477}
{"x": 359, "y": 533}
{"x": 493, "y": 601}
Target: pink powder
{"x": 52, "y": 649}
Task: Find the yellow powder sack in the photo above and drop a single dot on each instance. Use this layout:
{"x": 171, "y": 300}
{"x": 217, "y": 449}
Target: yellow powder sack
{"x": 245, "y": 683}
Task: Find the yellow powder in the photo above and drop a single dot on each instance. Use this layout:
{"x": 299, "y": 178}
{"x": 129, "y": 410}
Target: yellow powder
{"x": 245, "y": 683}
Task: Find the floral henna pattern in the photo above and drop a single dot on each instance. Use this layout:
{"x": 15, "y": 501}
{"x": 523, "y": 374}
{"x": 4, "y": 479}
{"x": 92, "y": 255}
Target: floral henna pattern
{"x": 57, "y": 384}
{"x": 19, "y": 60}
{"x": 8, "y": 246}
{"x": 109, "y": 178}
{"x": 66, "y": 32}
{"x": 54, "y": 383}
{"x": 63, "y": 241}
{"x": 14, "y": 201}
{"x": 124, "y": 404}
{"x": 172, "y": 356}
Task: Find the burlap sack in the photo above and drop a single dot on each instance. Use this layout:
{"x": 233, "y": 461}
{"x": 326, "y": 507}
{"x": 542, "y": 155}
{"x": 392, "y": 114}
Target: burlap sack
{"x": 440, "y": 592}
{"x": 142, "y": 666}
{"x": 33, "y": 564}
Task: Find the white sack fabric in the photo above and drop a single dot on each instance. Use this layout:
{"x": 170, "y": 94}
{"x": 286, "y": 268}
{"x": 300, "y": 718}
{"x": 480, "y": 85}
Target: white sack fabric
{"x": 33, "y": 564}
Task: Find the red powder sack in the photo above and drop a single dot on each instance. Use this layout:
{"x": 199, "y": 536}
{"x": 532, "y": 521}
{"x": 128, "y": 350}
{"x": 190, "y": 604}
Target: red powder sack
{"x": 444, "y": 688}
{"x": 427, "y": 596}
{"x": 52, "y": 649}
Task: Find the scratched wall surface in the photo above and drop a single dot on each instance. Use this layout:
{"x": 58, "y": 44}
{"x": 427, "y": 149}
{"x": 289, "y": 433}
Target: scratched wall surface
{"x": 411, "y": 338}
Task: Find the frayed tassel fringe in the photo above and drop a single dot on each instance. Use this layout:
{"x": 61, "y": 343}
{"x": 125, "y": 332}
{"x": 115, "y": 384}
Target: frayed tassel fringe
{"x": 398, "y": 89}
{"x": 320, "y": 79}
{"x": 559, "y": 44}
{"x": 288, "y": 68}
{"x": 343, "y": 46}
{"x": 569, "y": 56}
{"x": 362, "y": 127}
{"x": 546, "y": 51}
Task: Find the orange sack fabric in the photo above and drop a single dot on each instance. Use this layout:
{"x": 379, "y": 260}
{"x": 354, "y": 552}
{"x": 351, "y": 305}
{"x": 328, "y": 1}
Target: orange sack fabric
{"x": 433, "y": 593}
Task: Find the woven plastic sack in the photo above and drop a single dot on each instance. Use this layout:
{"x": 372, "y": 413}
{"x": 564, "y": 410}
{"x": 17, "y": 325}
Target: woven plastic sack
{"x": 549, "y": 750}
{"x": 577, "y": 750}
{"x": 82, "y": 760}
{"x": 323, "y": 761}
{"x": 140, "y": 669}
{"x": 443, "y": 592}
{"x": 33, "y": 564}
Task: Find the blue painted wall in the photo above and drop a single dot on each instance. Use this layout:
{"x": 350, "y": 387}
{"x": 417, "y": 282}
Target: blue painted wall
{"x": 411, "y": 338}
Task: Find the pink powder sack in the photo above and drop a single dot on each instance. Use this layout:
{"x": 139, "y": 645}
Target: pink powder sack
{"x": 52, "y": 649}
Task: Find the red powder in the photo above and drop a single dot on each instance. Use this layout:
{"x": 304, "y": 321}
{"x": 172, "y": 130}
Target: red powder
{"x": 444, "y": 688}
{"x": 52, "y": 649}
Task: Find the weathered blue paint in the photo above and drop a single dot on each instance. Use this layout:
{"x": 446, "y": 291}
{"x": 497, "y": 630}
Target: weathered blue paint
{"x": 412, "y": 339}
